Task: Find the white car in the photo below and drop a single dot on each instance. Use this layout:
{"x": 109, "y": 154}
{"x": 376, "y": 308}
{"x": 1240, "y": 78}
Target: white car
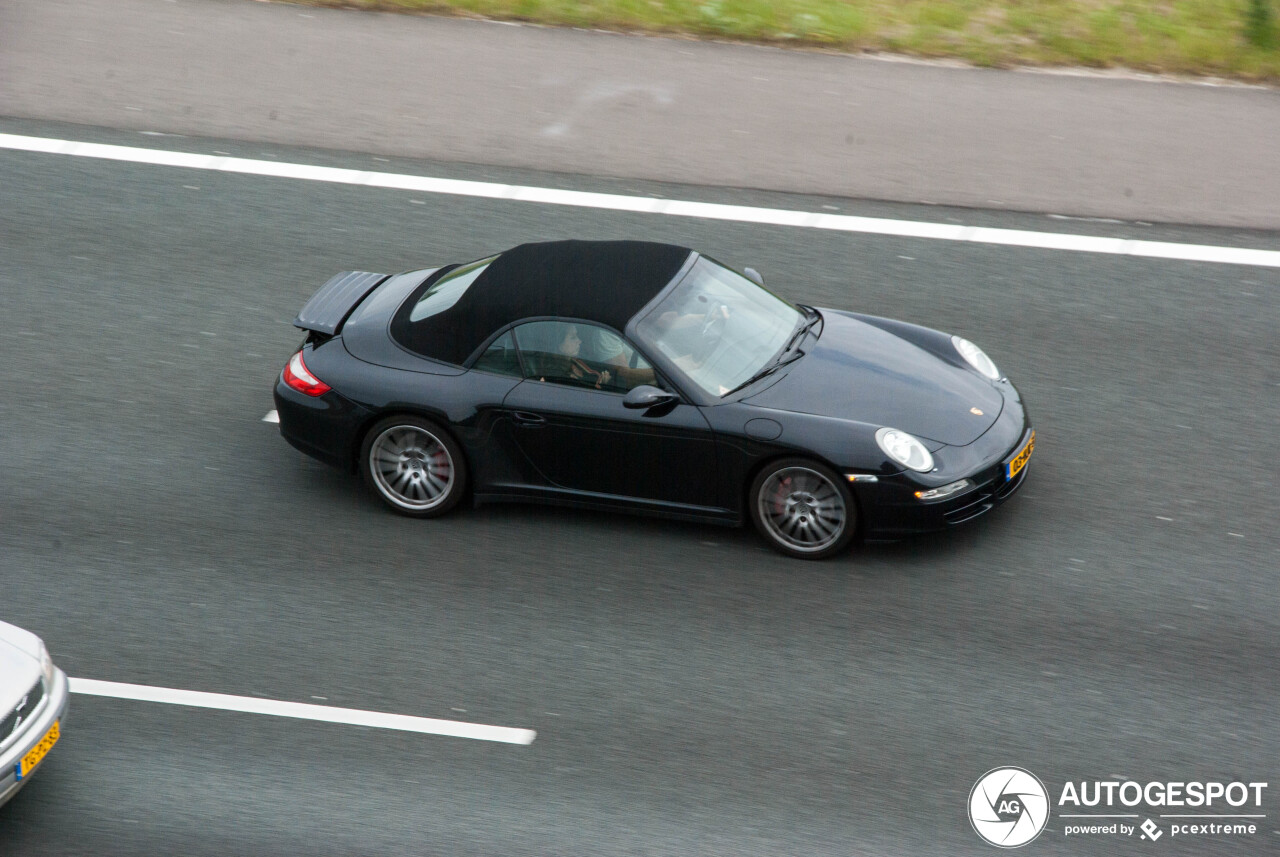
{"x": 34, "y": 697}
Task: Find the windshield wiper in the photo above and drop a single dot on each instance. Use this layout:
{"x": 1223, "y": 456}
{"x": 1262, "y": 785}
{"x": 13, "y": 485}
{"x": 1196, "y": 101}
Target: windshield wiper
{"x": 782, "y": 359}
{"x": 769, "y": 369}
{"x": 804, "y": 327}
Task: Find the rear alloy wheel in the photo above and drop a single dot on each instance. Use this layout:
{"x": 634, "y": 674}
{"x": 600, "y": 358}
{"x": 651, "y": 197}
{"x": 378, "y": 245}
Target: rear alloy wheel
{"x": 414, "y": 466}
{"x": 803, "y": 509}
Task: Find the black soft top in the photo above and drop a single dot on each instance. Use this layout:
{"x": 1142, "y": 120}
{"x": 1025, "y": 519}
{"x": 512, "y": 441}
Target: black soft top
{"x": 603, "y": 281}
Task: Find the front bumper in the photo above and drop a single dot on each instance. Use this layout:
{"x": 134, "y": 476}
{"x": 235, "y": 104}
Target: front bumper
{"x": 890, "y": 508}
{"x": 52, "y": 709}
{"x": 899, "y": 513}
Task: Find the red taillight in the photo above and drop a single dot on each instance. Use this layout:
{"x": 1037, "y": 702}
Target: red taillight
{"x": 297, "y": 377}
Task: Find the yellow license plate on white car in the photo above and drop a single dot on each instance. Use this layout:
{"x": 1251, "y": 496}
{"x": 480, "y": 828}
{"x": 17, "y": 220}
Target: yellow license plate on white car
{"x": 1013, "y": 465}
{"x": 38, "y": 752}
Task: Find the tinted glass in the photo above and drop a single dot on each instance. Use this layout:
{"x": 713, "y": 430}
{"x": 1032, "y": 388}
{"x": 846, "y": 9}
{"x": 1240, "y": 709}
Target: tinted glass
{"x": 582, "y": 355}
{"x": 448, "y": 290}
{"x": 500, "y": 357}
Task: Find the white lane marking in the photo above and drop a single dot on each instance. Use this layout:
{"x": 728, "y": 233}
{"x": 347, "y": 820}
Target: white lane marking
{"x": 647, "y": 205}
{"x": 302, "y": 710}
{"x": 272, "y": 417}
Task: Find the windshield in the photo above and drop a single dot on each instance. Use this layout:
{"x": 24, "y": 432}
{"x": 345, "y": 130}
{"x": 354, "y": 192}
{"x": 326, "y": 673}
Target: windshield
{"x": 718, "y": 327}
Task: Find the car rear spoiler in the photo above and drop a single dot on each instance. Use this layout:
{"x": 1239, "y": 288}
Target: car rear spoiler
{"x": 334, "y": 301}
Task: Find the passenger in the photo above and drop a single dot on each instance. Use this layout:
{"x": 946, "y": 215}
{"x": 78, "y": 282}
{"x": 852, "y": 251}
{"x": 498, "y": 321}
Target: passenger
{"x": 689, "y": 337}
{"x": 610, "y": 349}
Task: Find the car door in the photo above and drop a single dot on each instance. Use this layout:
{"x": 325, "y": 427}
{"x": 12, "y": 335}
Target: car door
{"x": 567, "y": 417}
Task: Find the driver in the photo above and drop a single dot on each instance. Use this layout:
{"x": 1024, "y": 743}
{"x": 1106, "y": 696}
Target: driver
{"x": 571, "y": 346}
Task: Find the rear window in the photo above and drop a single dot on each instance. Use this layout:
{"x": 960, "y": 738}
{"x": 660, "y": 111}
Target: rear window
{"x": 448, "y": 290}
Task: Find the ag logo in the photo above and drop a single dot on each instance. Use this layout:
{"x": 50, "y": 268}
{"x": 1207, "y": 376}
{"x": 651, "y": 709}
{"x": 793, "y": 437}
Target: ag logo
{"x": 1008, "y": 807}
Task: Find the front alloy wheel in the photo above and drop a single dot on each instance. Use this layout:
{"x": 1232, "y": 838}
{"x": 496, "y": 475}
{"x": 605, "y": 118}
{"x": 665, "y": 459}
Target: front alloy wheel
{"x": 803, "y": 509}
{"x": 414, "y": 466}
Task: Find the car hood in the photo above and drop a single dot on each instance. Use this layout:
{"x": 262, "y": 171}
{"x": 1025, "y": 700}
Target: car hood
{"x": 857, "y": 371}
{"x": 18, "y": 672}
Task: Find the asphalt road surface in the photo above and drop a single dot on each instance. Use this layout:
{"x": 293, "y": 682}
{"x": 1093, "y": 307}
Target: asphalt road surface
{"x": 692, "y": 691}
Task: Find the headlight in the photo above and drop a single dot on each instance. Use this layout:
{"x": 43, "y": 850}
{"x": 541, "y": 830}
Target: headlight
{"x": 904, "y": 449}
{"x": 46, "y": 666}
{"x": 975, "y": 357}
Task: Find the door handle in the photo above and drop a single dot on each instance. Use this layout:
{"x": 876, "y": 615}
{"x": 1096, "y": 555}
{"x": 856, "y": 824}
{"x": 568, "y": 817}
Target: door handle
{"x": 525, "y": 418}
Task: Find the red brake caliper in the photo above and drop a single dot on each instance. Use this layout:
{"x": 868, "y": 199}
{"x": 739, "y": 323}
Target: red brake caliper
{"x": 779, "y": 501}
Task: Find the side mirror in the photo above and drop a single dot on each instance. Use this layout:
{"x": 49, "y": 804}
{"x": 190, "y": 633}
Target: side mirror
{"x": 646, "y": 396}
{"x": 754, "y": 276}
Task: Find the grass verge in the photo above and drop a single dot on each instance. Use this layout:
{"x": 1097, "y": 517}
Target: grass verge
{"x": 1224, "y": 38}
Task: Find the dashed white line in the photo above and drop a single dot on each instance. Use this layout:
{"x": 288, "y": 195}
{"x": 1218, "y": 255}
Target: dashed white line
{"x": 647, "y": 205}
{"x": 302, "y": 711}
{"x": 272, "y": 417}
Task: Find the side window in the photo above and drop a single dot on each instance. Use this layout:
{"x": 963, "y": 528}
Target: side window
{"x": 500, "y": 357}
{"x": 582, "y": 355}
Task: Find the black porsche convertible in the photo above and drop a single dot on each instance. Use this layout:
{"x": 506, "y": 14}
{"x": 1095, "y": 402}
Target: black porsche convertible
{"x": 646, "y": 377}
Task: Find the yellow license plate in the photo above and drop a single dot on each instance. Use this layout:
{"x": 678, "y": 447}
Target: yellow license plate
{"x": 36, "y": 753}
{"x": 1019, "y": 461}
